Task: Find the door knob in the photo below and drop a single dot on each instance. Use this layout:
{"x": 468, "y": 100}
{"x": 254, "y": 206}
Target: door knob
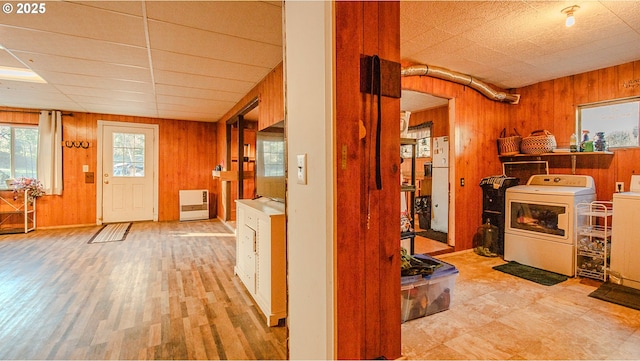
{"x": 106, "y": 182}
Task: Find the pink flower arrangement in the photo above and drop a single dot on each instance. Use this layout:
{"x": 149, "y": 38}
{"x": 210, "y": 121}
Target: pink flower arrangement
{"x": 33, "y": 187}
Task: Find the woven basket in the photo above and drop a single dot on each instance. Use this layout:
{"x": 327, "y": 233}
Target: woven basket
{"x": 539, "y": 141}
{"x": 509, "y": 145}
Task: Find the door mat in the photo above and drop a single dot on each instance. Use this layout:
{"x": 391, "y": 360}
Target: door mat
{"x": 618, "y": 294}
{"x": 533, "y": 274}
{"x": 113, "y": 232}
{"x": 435, "y": 235}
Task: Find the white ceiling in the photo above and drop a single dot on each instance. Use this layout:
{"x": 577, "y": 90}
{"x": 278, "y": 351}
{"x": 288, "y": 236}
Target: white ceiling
{"x": 195, "y": 60}
{"x": 166, "y": 59}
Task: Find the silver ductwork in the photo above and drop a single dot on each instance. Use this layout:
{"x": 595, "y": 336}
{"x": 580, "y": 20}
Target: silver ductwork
{"x": 467, "y": 80}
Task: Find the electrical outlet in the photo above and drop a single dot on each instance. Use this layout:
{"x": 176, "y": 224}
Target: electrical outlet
{"x": 619, "y": 187}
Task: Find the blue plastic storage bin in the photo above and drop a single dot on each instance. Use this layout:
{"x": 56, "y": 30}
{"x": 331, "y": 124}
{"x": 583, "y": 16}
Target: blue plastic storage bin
{"x": 425, "y": 295}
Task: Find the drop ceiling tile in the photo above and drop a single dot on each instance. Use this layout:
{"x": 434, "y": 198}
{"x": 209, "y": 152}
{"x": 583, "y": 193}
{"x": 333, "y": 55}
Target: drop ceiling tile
{"x": 627, "y": 11}
{"x": 425, "y": 40}
{"x": 206, "y": 44}
{"x": 208, "y": 67}
{"x": 197, "y": 93}
{"x": 165, "y": 77}
{"x": 224, "y": 17}
{"x": 7, "y": 60}
{"x": 123, "y": 109}
{"x": 165, "y": 101}
{"x": 130, "y": 7}
{"x": 88, "y": 22}
{"x": 77, "y": 92}
{"x": 97, "y": 82}
{"x": 191, "y": 116}
{"x": 41, "y": 42}
{"x": 62, "y": 64}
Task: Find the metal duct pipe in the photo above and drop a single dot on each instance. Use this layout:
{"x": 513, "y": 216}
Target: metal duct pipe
{"x": 467, "y": 80}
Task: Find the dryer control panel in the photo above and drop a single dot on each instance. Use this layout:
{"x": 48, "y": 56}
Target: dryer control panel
{"x": 561, "y": 180}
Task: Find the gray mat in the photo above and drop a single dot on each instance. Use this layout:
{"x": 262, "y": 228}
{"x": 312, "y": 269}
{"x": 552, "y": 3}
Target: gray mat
{"x": 618, "y": 294}
{"x": 113, "y": 232}
{"x": 536, "y": 275}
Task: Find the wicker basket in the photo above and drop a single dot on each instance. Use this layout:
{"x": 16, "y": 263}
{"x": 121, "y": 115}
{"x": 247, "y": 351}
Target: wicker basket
{"x": 539, "y": 141}
{"x": 509, "y": 145}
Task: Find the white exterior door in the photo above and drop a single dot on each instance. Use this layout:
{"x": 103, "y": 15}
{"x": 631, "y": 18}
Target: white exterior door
{"x": 128, "y": 180}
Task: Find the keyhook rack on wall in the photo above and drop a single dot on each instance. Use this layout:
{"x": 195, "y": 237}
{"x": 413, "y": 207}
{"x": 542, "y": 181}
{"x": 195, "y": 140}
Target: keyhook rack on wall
{"x": 76, "y": 144}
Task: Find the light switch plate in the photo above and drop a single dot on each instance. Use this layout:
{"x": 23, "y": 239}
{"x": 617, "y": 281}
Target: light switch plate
{"x": 302, "y": 168}
{"x": 85, "y": 168}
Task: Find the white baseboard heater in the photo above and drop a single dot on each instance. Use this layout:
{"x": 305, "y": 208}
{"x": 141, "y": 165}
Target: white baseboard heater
{"x": 194, "y": 204}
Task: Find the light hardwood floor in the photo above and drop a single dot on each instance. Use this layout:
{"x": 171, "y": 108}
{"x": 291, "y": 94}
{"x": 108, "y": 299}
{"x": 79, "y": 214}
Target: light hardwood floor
{"x": 498, "y": 316}
{"x": 167, "y": 292}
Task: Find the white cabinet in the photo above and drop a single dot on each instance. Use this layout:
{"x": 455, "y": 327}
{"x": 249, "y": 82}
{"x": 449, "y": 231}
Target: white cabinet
{"x": 626, "y": 239}
{"x": 593, "y": 239}
{"x": 260, "y": 255}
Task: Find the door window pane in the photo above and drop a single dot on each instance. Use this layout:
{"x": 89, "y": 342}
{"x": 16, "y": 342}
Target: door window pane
{"x": 128, "y": 154}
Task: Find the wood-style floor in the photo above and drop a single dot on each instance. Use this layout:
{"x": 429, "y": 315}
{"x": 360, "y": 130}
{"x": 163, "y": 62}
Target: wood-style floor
{"x": 496, "y": 316}
{"x": 166, "y": 292}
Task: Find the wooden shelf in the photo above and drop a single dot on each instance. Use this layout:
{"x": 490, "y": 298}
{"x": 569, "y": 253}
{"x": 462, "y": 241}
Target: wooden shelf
{"x": 232, "y": 175}
{"x": 22, "y": 209}
{"x": 574, "y": 156}
{"x": 558, "y": 154}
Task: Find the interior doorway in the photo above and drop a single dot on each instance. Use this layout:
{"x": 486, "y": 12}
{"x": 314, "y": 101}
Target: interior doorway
{"x": 429, "y": 125}
{"x": 238, "y": 171}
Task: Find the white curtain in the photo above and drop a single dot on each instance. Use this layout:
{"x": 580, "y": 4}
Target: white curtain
{"x": 50, "y": 151}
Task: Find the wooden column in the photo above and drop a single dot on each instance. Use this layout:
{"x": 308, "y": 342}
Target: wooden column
{"x": 367, "y": 220}
{"x": 240, "y": 157}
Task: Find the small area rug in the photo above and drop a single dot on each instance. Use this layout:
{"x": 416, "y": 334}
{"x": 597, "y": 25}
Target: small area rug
{"x": 618, "y": 294}
{"x": 113, "y": 232}
{"x": 533, "y": 274}
{"x": 435, "y": 235}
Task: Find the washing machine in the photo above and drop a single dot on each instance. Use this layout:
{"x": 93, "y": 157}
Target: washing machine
{"x": 540, "y": 220}
{"x": 625, "y": 237}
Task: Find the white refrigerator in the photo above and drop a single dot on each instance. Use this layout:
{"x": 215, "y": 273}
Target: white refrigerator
{"x": 440, "y": 184}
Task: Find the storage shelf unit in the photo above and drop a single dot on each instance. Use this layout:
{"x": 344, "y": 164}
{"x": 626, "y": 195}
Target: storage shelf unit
{"x": 593, "y": 239}
{"x": 410, "y": 191}
{"x": 17, "y": 216}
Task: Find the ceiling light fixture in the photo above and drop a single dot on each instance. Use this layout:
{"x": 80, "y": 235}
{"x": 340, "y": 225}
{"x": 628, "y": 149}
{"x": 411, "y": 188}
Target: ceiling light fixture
{"x": 571, "y": 20}
{"x": 19, "y": 74}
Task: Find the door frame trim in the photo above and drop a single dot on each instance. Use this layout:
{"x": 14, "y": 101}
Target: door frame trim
{"x": 155, "y": 160}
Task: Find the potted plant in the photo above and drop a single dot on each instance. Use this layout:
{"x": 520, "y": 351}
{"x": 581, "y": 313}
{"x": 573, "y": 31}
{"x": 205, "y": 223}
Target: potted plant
{"x": 33, "y": 187}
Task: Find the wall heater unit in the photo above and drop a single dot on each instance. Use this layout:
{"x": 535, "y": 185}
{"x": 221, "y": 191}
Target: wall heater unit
{"x": 194, "y": 204}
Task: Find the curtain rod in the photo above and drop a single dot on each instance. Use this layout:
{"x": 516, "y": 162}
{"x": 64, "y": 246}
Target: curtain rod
{"x": 30, "y": 112}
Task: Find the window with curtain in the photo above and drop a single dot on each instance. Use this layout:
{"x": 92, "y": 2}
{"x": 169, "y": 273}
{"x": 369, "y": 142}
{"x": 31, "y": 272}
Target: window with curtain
{"x": 18, "y": 152}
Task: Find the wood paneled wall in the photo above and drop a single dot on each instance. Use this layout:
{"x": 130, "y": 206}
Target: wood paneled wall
{"x": 476, "y": 124}
{"x": 552, "y": 105}
{"x": 270, "y": 93}
{"x": 367, "y": 248}
{"x": 187, "y": 154}
{"x": 547, "y": 105}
